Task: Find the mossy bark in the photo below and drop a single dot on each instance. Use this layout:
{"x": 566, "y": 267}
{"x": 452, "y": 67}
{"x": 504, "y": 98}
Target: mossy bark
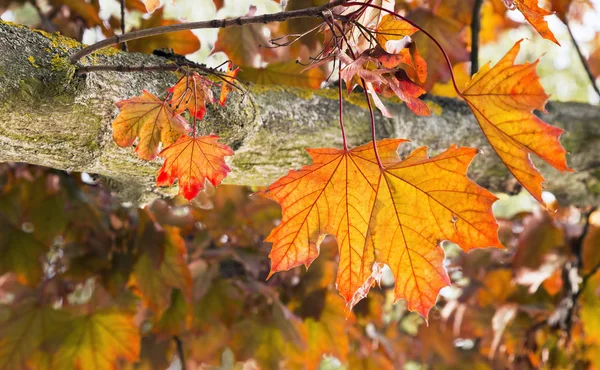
{"x": 51, "y": 117}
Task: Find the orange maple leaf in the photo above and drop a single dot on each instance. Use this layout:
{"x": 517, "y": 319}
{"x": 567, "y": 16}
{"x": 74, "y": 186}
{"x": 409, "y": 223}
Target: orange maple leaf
{"x": 191, "y": 93}
{"x": 192, "y": 161}
{"x": 228, "y": 83}
{"x": 150, "y": 119}
{"x": 397, "y": 216}
{"x": 535, "y": 16}
{"x": 502, "y": 99}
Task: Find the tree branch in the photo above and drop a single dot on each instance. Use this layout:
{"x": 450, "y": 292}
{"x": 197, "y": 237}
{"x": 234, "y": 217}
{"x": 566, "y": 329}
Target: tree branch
{"x": 215, "y": 23}
{"x": 50, "y": 116}
{"x": 586, "y": 67}
{"x": 475, "y": 29}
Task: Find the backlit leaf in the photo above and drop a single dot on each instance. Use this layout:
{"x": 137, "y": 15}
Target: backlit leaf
{"x": 181, "y": 42}
{"x": 449, "y": 33}
{"x": 535, "y": 16}
{"x": 150, "y": 119}
{"x": 228, "y": 85}
{"x": 502, "y": 99}
{"x": 287, "y": 73}
{"x": 397, "y": 216}
{"x": 27, "y": 328}
{"x": 244, "y": 45}
{"x": 155, "y": 284}
{"x": 192, "y": 93}
{"x": 391, "y": 28}
{"x": 193, "y": 161}
{"x": 97, "y": 341}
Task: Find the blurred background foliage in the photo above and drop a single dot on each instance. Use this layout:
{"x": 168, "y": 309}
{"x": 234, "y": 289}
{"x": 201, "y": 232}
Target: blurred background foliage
{"x": 89, "y": 282}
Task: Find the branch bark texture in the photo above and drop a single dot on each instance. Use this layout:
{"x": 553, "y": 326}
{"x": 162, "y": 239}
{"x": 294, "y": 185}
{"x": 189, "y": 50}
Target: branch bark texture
{"x": 50, "y": 116}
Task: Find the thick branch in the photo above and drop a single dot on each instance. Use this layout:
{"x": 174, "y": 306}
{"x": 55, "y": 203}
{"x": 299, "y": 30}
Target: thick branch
{"x": 50, "y": 116}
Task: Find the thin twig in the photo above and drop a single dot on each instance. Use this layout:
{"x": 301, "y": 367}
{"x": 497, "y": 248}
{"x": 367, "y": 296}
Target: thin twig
{"x": 430, "y": 36}
{"x": 123, "y": 68}
{"x": 582, "y": 58}
{"x": 180, "y": 352}
{"x": 124, "y": 44}
{"x": 215, "y": 23}
{"x": 475, "y": 29}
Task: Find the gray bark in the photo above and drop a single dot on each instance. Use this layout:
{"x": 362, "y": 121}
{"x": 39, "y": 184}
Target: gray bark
{"x": 51, "y": 117}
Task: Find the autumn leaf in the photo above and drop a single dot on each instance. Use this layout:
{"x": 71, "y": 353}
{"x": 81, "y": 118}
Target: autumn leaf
{"x": 193, "y": 161}
{"x": 181, "y": 42}
{"x": 287, "y": 73}
{"x": 152, "y": 5}
{"x": 299, "y": 26}
{"x": 535, "y": 16}
{"x": 228, "y": 83}
{"x": 326, "y": 335}
{"x": 28, "y": 327}
{"x": 392, "y": 29}
{"x": 219, "y": 4}
{"x": 154, "y": 284}
{"x": 150, "y": 119}
{"x": 176, "y": 318}
{"x": 85, "y": 10}
{"x": 502, "y": 99}
{"x": 449, "y": 33}
{"x": 244, "y": 45}
{"x": 192, "y": 93}
{"x": 397, "y": 216}
{"x": 96, "y": 341}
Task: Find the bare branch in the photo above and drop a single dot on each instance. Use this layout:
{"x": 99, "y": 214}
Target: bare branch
{"x": 215, "y": 23}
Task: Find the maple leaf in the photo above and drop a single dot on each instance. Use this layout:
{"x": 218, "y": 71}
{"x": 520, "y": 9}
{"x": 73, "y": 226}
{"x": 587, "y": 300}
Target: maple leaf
{"x": 97, "y": 341}
{"x": 397, "y": 216}
{"x": 27, "y": 328}
{"x": 450, "y": 35}
{"x": 191, "y": 93}
{"x": 502, "y": 99}
{"x": 325, "y": 336}
{"x": 150, "y": 119}
{"x": 152, "y": 5}
{"x": 192, "y": 161}
{"x": 535, "y": 16}
{"x": 155, "y": 284}
{"x": 181, "y": 42}
{"x": 227, "y": 86}
{"x": 393, "y": 29}
{"x": 286, "y": 73}
{"x": 243, "y": 44}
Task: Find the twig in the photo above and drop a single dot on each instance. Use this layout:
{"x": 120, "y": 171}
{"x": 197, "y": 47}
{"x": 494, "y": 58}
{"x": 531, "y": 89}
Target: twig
{"x": 123, "y": 68}
{"x": 215, "y": 23}
{"x": 475, "y": 29}
{"x": 180, "y": 352}
{"x": 123, "y": 45}
{"x": 582, "y": 58}
{"x": 429, "y": 35}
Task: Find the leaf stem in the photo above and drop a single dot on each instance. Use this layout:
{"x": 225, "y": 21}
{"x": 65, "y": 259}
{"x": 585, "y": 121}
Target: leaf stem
{"x": 351, "y": 3}
{"x": 215, "y": 23}
{"x": 373, "y": 133}
{"x": 475, "y": 30}
{"x": 582, "y": 58}
{"x": 341, "y": 102}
